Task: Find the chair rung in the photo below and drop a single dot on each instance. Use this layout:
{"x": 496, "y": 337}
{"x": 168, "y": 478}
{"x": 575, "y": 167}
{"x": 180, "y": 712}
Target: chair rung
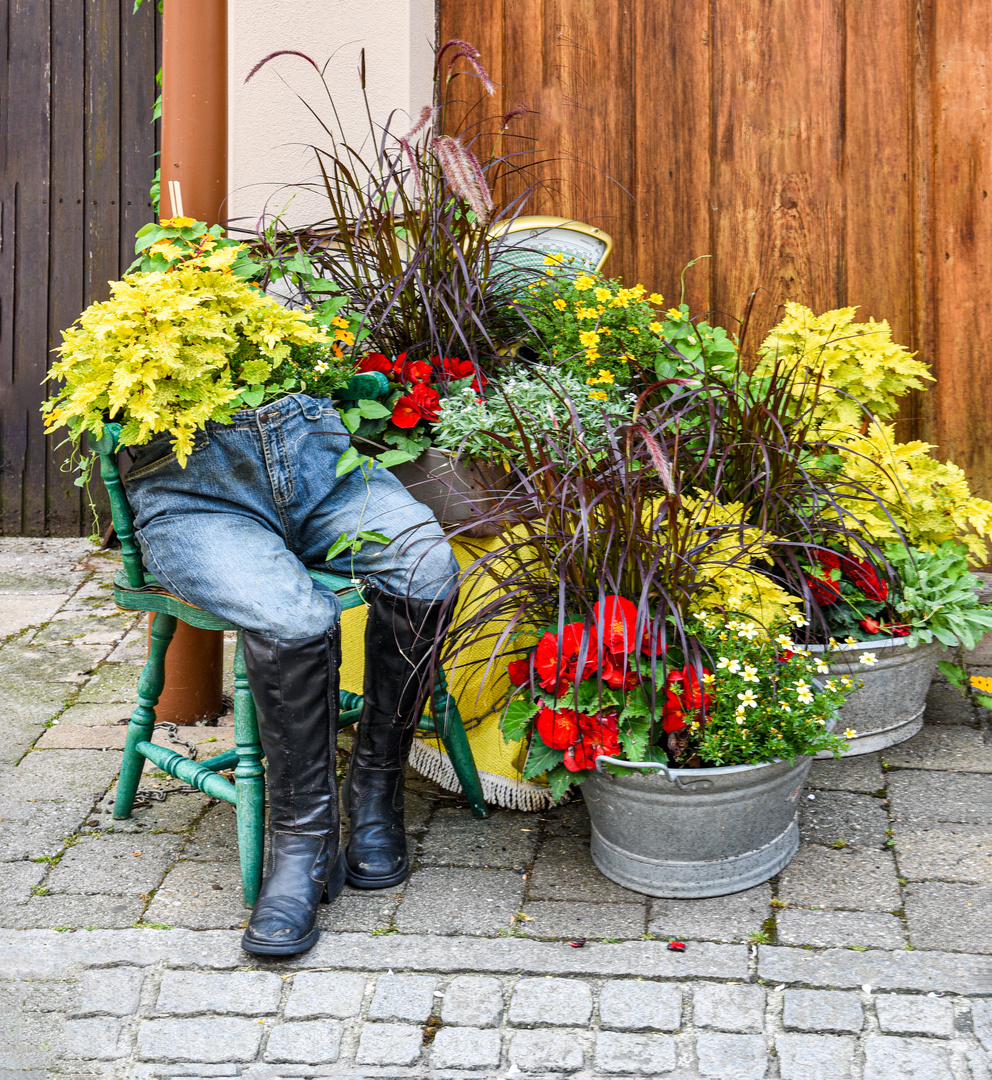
{"x": 222, "y": 761}
{"x": 190, "y": 772}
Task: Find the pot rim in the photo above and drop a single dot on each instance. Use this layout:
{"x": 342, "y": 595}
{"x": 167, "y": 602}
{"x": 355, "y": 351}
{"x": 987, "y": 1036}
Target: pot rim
{"x": 882, "y": 643}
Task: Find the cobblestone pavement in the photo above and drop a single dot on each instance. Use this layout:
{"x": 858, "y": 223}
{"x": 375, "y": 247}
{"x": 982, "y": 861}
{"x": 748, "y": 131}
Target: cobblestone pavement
{"x": 869, "y": 957}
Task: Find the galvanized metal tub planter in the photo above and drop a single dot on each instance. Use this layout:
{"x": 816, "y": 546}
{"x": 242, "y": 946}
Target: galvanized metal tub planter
{"x": 690, "y": 833}
{"x": 889, "y": 708}
{"x": 457, "y": 491}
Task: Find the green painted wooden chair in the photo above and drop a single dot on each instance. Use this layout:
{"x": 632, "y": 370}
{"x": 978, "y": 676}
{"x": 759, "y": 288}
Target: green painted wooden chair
{"x": 135, "y": 589}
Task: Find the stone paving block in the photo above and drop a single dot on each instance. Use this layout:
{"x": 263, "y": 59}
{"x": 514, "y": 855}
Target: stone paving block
{"x": 564, "y": 870}
{"x": 251, "y": 993}
{"x": 359, "y": 911}
{"x": 732, "y": 1057}
{"x": 634, "y": 1005}
{"x": 466, "y": 1048}
{"x": 35, "y": 828}
{"x": 946, "y": 852}
{"x": 929, "y": 796}
{"x": 557, "y": 1002}
{"x": 113, "y": 683}
{"x": 389, "y": 1044}
{"x": 62, "y": 775}
{"x": 947, "y": 705}
{"x": 403, "y": 997}
{"x": 570, "y": 819}
{"x": 980, "y": 1064}
{"x": 73, "y": 912}
{"x": 174, "y": 814}
{"x": 637, "y": 1055}
{"x": 981, "y": 1018}
{"x": 904, "y": 1014}
{"x": 215, "y": 838}
{"x": 36, "y": 995}
{"x": 133, "y": 646}
{"x": 861, "y": 774}
{"x": 116, "y": 991}
{"x": 947, "y": 916}
{"x": 823, "y": 1010}
{"x": 473, "y": 1001}
{"x": 94, "y": 1039}
{"x": 440, "y": 901}
{"x": 860, "y": 820}
{"x": 114, "y": 864}
{"x": 187, "y": 897}
{"x": 325, "y": 993}
{"x": 29, "y": 1041}
{"x": 82, "y": 737}
{"x": 19, "y": 611}
{"x": 952, "y": 748}
{"x": 864, "y": 880}
{"x": 562, "y": 918}
{"x": 17, "y": 880}
{"x": 729, "y": 1008}
{"x": 873, "y": 929}
{"x": 887, "y": 1057}
{"x": 94, "y": 715}
{"x": 815, "y": 1057}
{"x": 307, "y": 1042}
{"x": 504, "y": 840}
{"x": 715, "y": 918}
{"x": 545, "y": 1051}
{"x": 212, "y": 1039}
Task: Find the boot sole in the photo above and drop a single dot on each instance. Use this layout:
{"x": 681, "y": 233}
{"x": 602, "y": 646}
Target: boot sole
{"x": 358, "y": 882}
{"x": 335, "y": 883}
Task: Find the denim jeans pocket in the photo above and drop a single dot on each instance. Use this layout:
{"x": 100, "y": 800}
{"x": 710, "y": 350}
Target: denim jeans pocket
{"x": 154, "y": 457}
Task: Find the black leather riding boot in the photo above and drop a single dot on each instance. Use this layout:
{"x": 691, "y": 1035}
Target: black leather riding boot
{"x": 294, "y": 682}
{"x": 399, "y": 637}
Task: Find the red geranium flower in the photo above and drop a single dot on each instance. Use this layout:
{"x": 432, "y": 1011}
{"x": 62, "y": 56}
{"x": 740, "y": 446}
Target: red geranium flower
{"x": 406, "y": 413}
{"x": 825, "y": 590}
{"x": 555, "y": 676}
{"x": 870, "y": 626}
{"x": 617, "y": 673}
{"x": 453, "y": 367}
{"x": 375, "y": 361}
{"x": 672, "y": 714}
{"x": 862, "y": 574}
{"x": 427, "y": 399}
{"x": 519, "y": 671}
{"x": 582, "y": 755}
{"x": 898, "y": 630}
{"x": 558, "y": 728}
{"x": 412, "y": 371}
{"x": 685, "y": 683}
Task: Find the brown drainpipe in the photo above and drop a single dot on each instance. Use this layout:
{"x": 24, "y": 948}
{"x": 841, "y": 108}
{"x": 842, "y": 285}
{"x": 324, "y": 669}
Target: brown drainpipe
{"x": 194, "y": 152}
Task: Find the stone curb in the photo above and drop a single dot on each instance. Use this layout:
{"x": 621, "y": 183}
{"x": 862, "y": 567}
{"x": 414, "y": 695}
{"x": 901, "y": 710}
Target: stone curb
{"x": 48, "y": 954}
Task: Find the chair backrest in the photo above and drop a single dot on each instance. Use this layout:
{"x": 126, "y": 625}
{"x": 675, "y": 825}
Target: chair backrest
{"x": 526, "y": 241}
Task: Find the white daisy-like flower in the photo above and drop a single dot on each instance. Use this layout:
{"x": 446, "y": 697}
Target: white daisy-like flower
{"x": 805, "y": 697}
{"x": 320, "y": 367}
{"x": 796, "y": 619}
{"x": 785, "y": 707}
{"x": 850, "y": 733}
{"x": 868, "y": 658}
{"x": 831, "y": 684}
{"x": 748, "y": 630}
{"x": 722, "y": 662}
{"x": 748, "y": 698}
{"x": 750, "y": 674}
{"x": 850, "y": 641}
{"x": 822, "y": 667}
{"x": 785, "y": 642}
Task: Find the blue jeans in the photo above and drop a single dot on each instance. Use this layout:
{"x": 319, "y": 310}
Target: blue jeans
{"x": 259, "y": 502}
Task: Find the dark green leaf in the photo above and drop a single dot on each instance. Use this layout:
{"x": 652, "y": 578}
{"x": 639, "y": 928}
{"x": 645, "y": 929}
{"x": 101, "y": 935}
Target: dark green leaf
{"x": 338, "y": 546}
{"x": 375, "y": 537}
{"x": 348, "y": 462}
{"x": 373, "y": 410}
{"x": 540, "y": 759}
{"x": 516, "y": 719}
{"x": 561, "y": 779}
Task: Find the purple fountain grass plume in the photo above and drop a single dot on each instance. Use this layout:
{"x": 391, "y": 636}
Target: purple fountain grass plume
{"x": 519, "y": 110}
{"x": 426, "y": 116}
{"x": 465, "y": 51}
{"x": 659, "y": 459}
{"x": 464, "y": 175}
{"x": 282, "y": 52}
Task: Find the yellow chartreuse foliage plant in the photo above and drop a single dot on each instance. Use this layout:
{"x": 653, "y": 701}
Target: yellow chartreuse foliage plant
{"x": 158, "y": 354}
{"x": 732, "y": 584}
{"x": 848, "y": 366}
{"x": 928, "y": 500}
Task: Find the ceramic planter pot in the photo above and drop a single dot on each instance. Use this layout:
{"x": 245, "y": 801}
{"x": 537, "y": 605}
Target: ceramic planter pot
{"x": 889, "y": 708}
{"x": 691, "y": 833}
{"x": 456, "y": 491}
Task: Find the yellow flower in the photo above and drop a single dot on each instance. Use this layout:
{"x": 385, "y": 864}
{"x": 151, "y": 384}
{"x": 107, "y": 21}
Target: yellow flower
{"x": 604, "y": 376}
{"x": 637, "y": 291}
{"x": 634, "y": 329}
{"x": 559, "y": 304}
{"x": 587, "y": 313}
{"x": 849, "y": 733}
{"x": 674, "y": 313}
{"x": 345, "y": 335}
{"x": 655, "y": 326}
{"x": 982, "y": 683}
{"x": 338, "y": 321}
{"x": 584, "y": 282}
{"x": 602, "y": 295}
{"x": 554, "y": 258}
{"x": 179, "y": 223}
{"x": 656, "y": 298}
{"x": 598, "y": 395}
{"x": 588, "y": 338}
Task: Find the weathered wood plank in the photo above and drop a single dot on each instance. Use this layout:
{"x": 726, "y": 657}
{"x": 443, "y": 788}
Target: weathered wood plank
{"x": 138, "y": 142}
{"x": 65, "y": 514}
{"x": 963, "y": 235}
{"x": 923, "y": 404}
{"x": 777, "y": 153}
{"x": 672, "y": 96}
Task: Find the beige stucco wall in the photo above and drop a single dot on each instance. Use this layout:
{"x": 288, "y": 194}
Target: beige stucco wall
{"x": 270, "y": 131}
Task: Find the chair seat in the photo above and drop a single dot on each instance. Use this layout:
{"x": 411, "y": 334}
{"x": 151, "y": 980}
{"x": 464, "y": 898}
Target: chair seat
{"x": 154, "y": 596}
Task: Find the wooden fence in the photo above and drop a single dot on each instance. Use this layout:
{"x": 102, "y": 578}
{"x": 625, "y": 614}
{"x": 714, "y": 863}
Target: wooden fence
{"x": 77, "y": 86}
{"x": 828, "y": 152}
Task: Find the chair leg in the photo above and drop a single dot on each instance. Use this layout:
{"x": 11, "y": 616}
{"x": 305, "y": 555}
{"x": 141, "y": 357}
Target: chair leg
{"x": 249, "y": 782}
{"x": 449, "y": 725}
{"x": 142, "y": 722}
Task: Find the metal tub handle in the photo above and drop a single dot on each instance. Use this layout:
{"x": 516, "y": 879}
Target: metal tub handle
{"x": 685, "y": 785}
